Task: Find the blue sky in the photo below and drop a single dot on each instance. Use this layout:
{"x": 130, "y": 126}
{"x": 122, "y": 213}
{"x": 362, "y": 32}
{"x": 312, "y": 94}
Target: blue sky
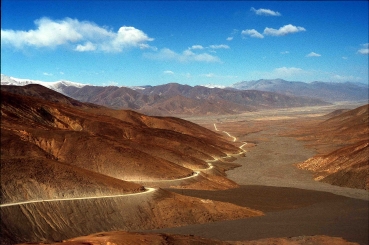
{"x": 132, "y": 43}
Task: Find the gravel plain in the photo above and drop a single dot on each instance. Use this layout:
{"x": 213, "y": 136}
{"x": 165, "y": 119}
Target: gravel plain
{"x": 295, "y": 204}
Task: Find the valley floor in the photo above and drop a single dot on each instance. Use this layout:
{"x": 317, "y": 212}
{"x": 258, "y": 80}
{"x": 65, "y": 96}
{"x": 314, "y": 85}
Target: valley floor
{"x": 295, "y": 204}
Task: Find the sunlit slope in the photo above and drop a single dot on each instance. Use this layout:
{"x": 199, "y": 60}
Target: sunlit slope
{"x": 109, "y": 145}
{"x": 347, "y": 165}
{"x": 65, "y": 170}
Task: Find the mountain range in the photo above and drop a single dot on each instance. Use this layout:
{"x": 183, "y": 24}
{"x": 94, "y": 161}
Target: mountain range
{"x": 172, "y": 98}
{"x": 327, "y": 91}
{"x": 183, "y": 100}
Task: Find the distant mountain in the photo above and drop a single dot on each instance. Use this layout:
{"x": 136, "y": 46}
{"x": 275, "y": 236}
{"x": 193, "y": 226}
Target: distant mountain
{"x": 177, "y": 99}
{"x": 331, "y": 92}
{"x": 174, "y": 98}
{"x": 57, "y": 86}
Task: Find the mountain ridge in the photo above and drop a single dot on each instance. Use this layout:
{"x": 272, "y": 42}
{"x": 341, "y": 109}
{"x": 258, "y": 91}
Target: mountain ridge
{"x": 327, "y": 91}
{"x": 182, "y": 100}
{"x": 185, "y": 100}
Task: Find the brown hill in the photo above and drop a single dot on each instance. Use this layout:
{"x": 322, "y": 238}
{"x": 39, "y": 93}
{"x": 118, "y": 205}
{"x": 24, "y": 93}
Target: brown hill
{"x": 347, "y": 166}
{"x": 117, "y": 148}
{"x": 39, "y": 91}
{"x": 83, "y": 155}
{"x": 52, "y": 221}
{"x": 177, "y": 99}
{"x": 343, "y": 143}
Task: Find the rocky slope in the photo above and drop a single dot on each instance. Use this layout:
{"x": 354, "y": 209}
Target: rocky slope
{"x": 60, "y": 220}
{"x": 125, "y": 149}
{"x": 87, "y": 155}
{"x": 346, "y": 161}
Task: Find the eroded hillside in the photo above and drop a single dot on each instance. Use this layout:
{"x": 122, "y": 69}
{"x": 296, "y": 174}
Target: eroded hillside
{"x": 342, "y": 141}
{"x": 71, "y": 169}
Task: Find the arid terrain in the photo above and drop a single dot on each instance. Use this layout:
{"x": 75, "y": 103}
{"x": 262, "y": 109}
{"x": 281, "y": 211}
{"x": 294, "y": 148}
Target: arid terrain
{"x": 65, "y": 165}
{"x": 70, "y": 169}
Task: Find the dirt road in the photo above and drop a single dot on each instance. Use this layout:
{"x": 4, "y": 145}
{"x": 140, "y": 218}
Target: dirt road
{"x": 294, "y": 203}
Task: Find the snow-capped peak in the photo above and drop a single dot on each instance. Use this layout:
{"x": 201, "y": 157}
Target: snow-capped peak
{"x": 213, "y": 86}
{"x": 56, "y": 86}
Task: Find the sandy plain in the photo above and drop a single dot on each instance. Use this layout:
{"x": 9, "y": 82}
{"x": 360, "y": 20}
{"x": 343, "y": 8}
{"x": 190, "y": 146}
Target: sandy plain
{"x": 295, "y": 204}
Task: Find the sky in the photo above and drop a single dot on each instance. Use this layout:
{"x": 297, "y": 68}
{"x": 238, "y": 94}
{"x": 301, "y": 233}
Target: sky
{"x": 135, "y": 43}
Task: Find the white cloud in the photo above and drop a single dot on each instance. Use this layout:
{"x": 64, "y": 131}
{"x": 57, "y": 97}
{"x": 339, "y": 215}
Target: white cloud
{"x": 185, "y": 56}
{"x": 88, "y": 46}
{"x": 285, "y": 52}
{"x": 363, "y": 51}
{"x": 221, "y": 46}
{"x": 313, "y": 54}
{"x": 47, "y": 74}
{"x": 87, "y": 36}
{"x": 284, "y": 30}
{"x": 231, "y": 36}
{"x": 200, "y": 47}
{"x": 147, "y": 46}
{"x": 267, "y": 12}
{"x": 127, "y": 36}
{"x": 197, "y": 47}
{"x": 252, "y": 33}
{"x": 344, "y": 57}
{"x": 168, "y": 72}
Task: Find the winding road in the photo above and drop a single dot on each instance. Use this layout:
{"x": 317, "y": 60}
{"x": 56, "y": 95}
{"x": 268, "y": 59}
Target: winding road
{"x": 234, "y": 138}
{"x": 147, "y": 189}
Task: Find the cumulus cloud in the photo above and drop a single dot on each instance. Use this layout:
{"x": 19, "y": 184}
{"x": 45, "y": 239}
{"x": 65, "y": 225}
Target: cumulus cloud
{"x": 229, "y": 38}
{"x": 83, "y": 35}
{"x": 185, "y": 56}
{"x": 267, "y": 12}
{"x": 88, "y": 46}
{"x": 313, "y": 54}
{"x": 252, "y": 33}
{"x": 365, "y": 49}
{"x": 284, "y": 30}
{"x": 197, "y": 47}
{"x": 221, "y": 46}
